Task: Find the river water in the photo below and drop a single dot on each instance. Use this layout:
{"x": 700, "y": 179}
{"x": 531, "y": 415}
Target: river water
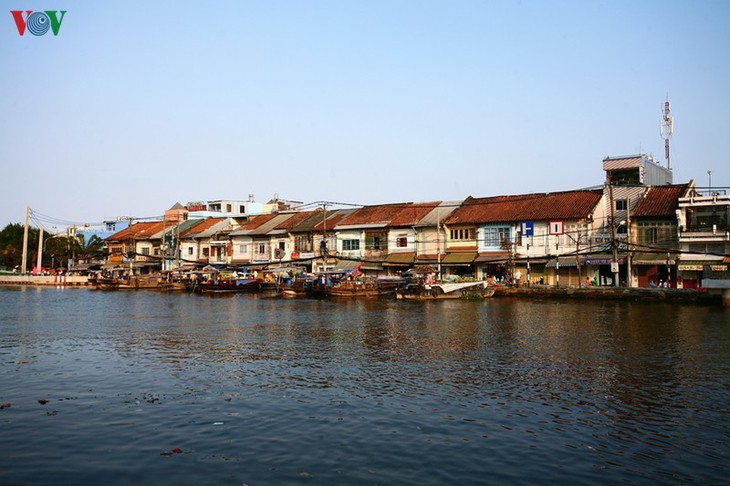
{"x": 144, "y": 387}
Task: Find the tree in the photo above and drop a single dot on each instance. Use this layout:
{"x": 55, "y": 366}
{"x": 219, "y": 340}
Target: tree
{"x": 11, "y": 245}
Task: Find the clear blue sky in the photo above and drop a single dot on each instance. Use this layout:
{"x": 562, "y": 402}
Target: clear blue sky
{"x": 137, "y": 105}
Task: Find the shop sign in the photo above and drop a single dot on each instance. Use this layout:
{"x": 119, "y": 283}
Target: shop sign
{"x": 601, "y": 261}
{"x": 718, "y": 268}
{"x": 527, "y": 228}
{"x": 689, "y": 268}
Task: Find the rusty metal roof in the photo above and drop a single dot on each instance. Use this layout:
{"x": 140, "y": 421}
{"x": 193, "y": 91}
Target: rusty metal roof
{"x": 661, "y": 201}
{"x": 138, "y": 231}
{"x": 200, "y": 228}
{"x": 567, "y": 205}
{"x": 292, "y": 222}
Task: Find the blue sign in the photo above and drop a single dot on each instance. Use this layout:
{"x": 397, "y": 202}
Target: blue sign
{"x": 528, "y": 227}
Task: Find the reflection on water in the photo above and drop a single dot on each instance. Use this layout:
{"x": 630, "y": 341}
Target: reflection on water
{"x": 261, "y": 390}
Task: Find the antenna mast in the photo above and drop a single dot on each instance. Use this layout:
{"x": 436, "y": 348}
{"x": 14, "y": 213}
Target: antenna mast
{"x": 667, "y": 128}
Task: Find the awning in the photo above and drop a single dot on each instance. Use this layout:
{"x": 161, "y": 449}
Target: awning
{"x": 652, "y": 259}
{"x": 371, "y": 266}
{"x": 492, "y": 257}
{"x": 346, "y": 265}
{"x": 403, "y": 259}
{"x": 464, "y": 258}
{"x": 726, "y": 259}
{"x": 567, "y": 261}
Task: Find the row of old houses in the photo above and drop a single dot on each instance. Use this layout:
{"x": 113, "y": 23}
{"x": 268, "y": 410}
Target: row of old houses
{"x": 638, "y": 229}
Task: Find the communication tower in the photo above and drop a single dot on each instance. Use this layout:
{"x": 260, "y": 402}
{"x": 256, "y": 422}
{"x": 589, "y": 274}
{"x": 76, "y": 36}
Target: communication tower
{"x": 667, "y": 128}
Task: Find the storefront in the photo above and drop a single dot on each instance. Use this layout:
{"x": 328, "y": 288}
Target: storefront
{"x": 601, "y": 266}
{"x": 656, "y": 269}
{"x": 459, "y": 263}
{"x": 691, "y": 273}
{"x": 567, "y": 271}
{"x": 492, "y": 265}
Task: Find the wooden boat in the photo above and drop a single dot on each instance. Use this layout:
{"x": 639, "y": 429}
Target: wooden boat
{"x": 299, "y": 287}
{"x": 235, "y": 284}
{"x": 136, "y": 282}
{"x": 334, "y": 284}
{"x": 446, "y": 291}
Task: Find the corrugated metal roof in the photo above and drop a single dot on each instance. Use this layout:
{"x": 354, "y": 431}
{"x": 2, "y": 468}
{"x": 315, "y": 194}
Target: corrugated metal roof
{"x": 333, "y": 219}
{"x": 661, "y": 201}
{"x": 567, "y": 205}
{"x": 204, "y": 225}
{"x": 269, "y": 225}
{"x": 220, "y": 225}
{"x": 622, "y": 162}
{"x": 296, "y": 218}
{"x": 253, "y": 223}
{"x": 439, "y": 213}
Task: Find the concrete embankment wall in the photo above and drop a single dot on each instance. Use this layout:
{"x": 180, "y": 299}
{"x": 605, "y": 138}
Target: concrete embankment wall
{"x": 51, "y": 280}
{"x": 611, "y": 293}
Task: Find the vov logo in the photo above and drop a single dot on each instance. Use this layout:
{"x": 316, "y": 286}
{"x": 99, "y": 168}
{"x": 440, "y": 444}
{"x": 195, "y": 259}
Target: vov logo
{"x": 38, "y": 23}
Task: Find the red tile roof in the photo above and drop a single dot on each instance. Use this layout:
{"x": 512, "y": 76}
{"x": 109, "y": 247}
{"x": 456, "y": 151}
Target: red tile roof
{"x": 661, "y": 201}
{"x": 398, "y": 214}
{"x": 527, "y": 207}
{"x": 138, "y": 230}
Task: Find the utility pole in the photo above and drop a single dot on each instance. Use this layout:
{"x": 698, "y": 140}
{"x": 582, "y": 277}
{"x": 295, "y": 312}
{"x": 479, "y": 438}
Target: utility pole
{"x": 614, "y": 260}
{"x": 24, "y": 264}
{"x": 438, "y": 242}
{"x": 39, "y": 261}
{"x": 557, "y": 261}
{"x": 628, "y": 242}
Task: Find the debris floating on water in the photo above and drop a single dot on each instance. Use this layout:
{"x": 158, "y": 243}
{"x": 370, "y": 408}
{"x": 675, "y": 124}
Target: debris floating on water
{"x": 4, "y": 405}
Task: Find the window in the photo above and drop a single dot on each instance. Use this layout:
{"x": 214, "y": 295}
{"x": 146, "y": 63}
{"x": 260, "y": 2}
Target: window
{"x": 650, "y": 235}
{"x": 496, "y": 235}
{"x": 206, "y": 252}
{"x": 243, "y": 248}
{"x": 282, "y": 245}
{"x": 621, "y": 205}
{"x": 190, "y": 250}
{"x": 262, "y": 248}
{"x": 242, "y": 210}
{"x": 111, "y": 226}
{"x": 303, "y": 243}
{"x": 145, "y": 251}
{"x": 401, "y": 242}
{"x": 372, "y": 242}
{"x": 229, "y": 208}
{"x": 462, "y": 234}
{"x": 348, "y": 245}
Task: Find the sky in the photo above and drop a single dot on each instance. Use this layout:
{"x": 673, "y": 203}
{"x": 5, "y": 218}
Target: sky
{"x": 135, "y": 106}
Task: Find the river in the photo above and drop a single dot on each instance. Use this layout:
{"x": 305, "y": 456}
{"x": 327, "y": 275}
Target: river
{"x": 146, "y": 387}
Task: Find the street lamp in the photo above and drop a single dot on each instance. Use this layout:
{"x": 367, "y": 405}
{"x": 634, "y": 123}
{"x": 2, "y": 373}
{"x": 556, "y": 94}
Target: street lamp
{"x": 709, "y": 176}
{"x": 43, "y": 250}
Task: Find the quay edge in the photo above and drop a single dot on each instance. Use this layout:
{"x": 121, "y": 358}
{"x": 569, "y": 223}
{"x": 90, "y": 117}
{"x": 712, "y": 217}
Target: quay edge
{"x": 615, "y": 293}
{"x": 45, "y": 280}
